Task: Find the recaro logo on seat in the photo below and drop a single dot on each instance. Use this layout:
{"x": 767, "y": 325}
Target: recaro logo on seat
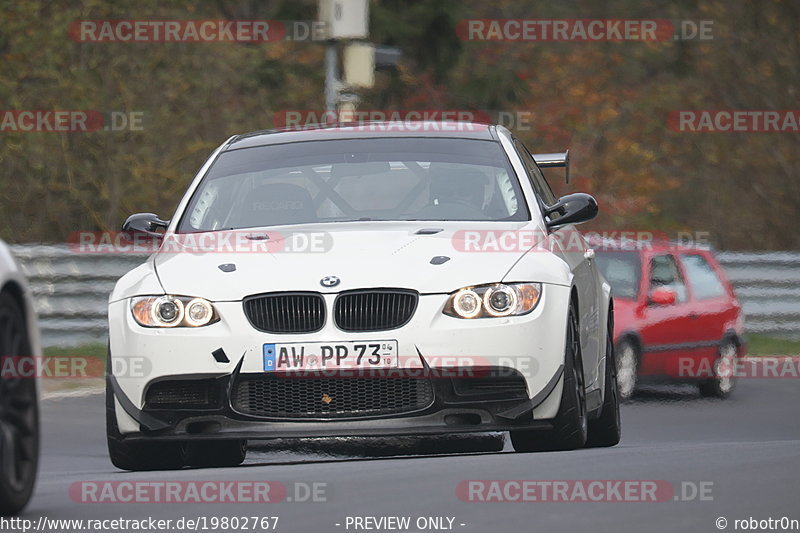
{"x": 267, "y": 206}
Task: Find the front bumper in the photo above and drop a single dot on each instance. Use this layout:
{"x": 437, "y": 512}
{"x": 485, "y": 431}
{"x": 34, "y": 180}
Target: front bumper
{"x": 497, "y": 401}
{"x": 531, "y": 347}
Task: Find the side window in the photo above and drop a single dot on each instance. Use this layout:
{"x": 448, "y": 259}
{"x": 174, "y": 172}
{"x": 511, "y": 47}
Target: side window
{"x": 702, "y": 279}
{"x": 538, "y": 181}
{"x": 664, "y": 273}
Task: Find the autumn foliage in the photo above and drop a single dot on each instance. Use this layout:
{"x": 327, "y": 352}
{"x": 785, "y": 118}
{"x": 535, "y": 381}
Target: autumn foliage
{"x": 609, "y": 102}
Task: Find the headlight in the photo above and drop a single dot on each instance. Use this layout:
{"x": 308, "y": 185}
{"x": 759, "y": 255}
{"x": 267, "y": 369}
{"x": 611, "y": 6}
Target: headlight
{"x": 172, "y": 311}
{"x": 466, "y": 303}
{"x": 495, "y": 300}
{"x": 199, "y": 312}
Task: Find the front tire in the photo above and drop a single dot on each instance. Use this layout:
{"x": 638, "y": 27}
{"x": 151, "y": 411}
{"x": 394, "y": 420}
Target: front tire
{"x": 570, "y": 426}
{"x": 138, "y": 456}
{"x": 606, "y": 430}
{"x": 216, "y": 453}
{"x": 143, "y": 456}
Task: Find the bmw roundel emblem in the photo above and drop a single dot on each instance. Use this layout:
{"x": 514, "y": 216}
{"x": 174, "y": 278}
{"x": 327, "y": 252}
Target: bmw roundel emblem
{"x": 329, "y": 281}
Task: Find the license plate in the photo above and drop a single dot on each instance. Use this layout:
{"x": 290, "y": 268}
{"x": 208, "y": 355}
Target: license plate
{"x": 323, "y": 355}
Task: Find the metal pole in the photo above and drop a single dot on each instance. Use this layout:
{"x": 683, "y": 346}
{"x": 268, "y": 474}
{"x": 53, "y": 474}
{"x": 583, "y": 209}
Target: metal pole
{"x": 331, "y": 79}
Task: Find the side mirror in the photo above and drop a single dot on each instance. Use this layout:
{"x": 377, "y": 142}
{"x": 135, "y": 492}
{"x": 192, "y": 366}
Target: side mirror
{"x": 147, "y": 223}
{"x": 662, "y": 296}
{"x": 572, "y": 209}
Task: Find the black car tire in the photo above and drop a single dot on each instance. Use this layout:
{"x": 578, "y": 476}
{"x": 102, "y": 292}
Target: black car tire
{"x": 606, "y": 430}
{"x": 216, "y": 453}
{"x": 19, "y": 414}
{"x": 138, "y": 455}
{"x": 570, "y": 426}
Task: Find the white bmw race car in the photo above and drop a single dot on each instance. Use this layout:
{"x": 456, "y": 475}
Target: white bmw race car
{"x": 362, "y": 280}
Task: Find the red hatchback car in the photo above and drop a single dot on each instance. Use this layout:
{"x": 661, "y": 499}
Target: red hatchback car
{"x": 676, "y": 316}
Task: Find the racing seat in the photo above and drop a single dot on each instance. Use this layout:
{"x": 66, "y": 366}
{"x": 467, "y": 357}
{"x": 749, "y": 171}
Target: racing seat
{"x": 276, "y": 204}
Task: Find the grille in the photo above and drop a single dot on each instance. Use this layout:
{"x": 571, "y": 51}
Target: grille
{"x": 374, "y": 310}
{"x": 182, "y": 394}
{"x": 503, "y": 384}
{"x": 290, "y": 312}
{"x": 318, "y": 397}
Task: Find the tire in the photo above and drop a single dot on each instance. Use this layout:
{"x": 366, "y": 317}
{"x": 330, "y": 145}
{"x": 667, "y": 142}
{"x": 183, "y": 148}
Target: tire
{"x": 606, "y": 430}
{"x": 19, "y": 414}
{"x": 723, "y": 382}
{"x": 627, "y": 368}
{"x": 570, "y": 426}
{"x": 216, "y": 453}
{"x": 137, "y": 455}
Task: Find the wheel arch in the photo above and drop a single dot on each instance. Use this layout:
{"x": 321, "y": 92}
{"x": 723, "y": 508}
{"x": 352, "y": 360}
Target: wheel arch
{"x": 738, "y": 340}
{"x": 573, "y": 300}
{"x": 632, "y": 337}
{"x": 610, "y": 318}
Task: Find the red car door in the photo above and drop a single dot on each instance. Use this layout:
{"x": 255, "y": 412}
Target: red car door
{"x": 667, "y": 331}
{"x": 712, "y": 309}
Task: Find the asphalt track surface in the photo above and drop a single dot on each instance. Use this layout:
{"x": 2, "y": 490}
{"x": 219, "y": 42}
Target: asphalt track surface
{"x": 747, "y": 446}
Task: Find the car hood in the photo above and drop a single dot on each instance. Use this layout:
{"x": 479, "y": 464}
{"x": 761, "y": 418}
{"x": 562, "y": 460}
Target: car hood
{"x": 360, "y": 254}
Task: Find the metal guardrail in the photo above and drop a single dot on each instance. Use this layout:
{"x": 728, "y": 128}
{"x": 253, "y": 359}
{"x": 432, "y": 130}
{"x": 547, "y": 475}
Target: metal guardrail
{"x": 71, "y": 290}
{"x": 768, "y": 286}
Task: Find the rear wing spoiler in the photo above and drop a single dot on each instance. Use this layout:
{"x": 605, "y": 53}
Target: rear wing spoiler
{"x": 558, "y": 159}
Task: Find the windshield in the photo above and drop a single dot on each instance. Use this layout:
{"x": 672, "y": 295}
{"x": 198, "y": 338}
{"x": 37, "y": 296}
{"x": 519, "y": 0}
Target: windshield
{"x": 356, "y": 179}
{"x": 622, "y": 269}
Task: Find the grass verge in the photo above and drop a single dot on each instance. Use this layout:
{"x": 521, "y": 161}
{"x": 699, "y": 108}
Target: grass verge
{"x": 87, "y": 350}
{"x": 758, "y": 345}
{"x": 96, "y": 355}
